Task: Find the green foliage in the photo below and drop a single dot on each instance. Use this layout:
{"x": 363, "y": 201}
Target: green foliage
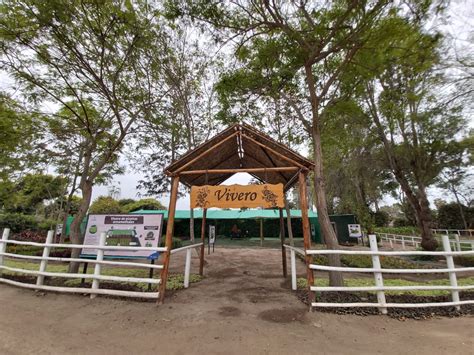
{"x": 387, "y": 262}
{"x": 28, "y": 192}
{"x": 405, "y": 230}
{"x": 381, "y": 219}
{"x": 105, "y": 204}
{"x": 18, "y": 135}
{"x": 143, "y": 204}
{"x": 18, "y": 222}
{"x": 449, "y": 216}
{"x": 365, "y": 261}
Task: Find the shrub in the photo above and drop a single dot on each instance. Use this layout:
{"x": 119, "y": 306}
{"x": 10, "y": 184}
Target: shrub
{"x": 30, "y": 236}
{"x": 18, "y": 222}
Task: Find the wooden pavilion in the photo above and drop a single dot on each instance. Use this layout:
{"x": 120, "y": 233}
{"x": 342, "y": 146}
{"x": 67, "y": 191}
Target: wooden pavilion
{"x": 238, "y": 149}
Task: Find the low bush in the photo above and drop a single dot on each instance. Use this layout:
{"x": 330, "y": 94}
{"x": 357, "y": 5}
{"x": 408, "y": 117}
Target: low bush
{"x": 30, "y": 236}
{"x": 18, "y": 222}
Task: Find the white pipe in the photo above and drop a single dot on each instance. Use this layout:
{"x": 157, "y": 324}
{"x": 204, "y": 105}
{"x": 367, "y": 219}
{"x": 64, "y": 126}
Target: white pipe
{"x": 390, "y": 271}
{"x": 452, "y": 275}
{"x": 83, "y": 276}
{"x": 79, "y": 260}
{"x": 187, "y": 268}
{"x": 44, "y": 259}
{"x": 173, "y": 251}
{"x": 389, "y": 288}
{"x": 82, "y": 290}
{"x": 392, "y": 305}
{"x": 84, "y": 246}
{"x": 98, "y": 267}
{"x": 293, "y": 270}
{"x": 3, "y": 246}
{"x": 387, "y": 253}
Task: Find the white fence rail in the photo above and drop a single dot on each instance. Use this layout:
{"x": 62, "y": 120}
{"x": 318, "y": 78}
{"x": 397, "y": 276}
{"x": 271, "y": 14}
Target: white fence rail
{"x": 293, "y": 251}
{"x": 378, "y": 272}
{"x": 414, "y": 241}
{"x": 187, "y": 265}
{"x": 96, "y": 277}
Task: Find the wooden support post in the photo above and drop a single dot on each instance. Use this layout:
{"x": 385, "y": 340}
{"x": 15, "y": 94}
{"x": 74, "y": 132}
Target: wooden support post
{"x": 282, "y": 239}
{"x": 261, "y": 232}
{"x": 306, "y": 231}
{"x": 203, "y": 236}
{"x": 169, "y": 237}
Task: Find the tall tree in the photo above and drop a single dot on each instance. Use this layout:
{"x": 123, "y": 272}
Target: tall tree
{"x": 419, "y": 134}
{"x": 301, "y": 48}
{"x": 104, "y": 55}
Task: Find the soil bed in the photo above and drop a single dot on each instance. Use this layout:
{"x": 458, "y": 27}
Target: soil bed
{"x": 398, "y": 313}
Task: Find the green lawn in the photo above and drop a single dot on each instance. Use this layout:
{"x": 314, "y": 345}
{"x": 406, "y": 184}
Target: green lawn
{"x": 175, "y": 281}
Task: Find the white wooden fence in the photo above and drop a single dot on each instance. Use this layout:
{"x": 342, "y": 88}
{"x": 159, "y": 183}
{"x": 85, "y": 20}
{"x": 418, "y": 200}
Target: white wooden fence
{"x": 414, "y": 241}
{"x": 187, "y": 265}
{"x": 378, "y": 272}
{"x": 96, "y": 277}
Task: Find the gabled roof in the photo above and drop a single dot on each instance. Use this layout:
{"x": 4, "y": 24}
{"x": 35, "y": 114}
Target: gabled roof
{"x": 237, "y": 147}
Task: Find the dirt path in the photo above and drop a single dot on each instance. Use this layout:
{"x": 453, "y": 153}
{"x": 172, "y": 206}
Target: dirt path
{"x": 241, "y": 307}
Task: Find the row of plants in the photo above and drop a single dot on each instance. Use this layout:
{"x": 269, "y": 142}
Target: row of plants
{"x": 18, "y": 222}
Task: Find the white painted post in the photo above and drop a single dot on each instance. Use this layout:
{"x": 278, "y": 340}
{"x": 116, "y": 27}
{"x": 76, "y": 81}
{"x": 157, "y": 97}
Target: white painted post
{"x": 44, "y": 261}
{"x": 458, "y": 243}
{"x": 391, "y": 244}
{"x": 377, "y": 275}
{"x": 187, "y": 268}
{"x": 452, "y": 275}
{"x": 413, "y": 241}
{"x": 98, "y": 267}
{"x": 3, "y": 246}
{"x": 403, "y": 242}
{"x": 293, "y": 269}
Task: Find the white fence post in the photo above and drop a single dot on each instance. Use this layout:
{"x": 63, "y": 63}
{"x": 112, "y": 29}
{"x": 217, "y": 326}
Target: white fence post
{"x": 452, "y": 274}
{"x": 44, "y": 260}
{"x": 3, "y": 246}
{"x": 98, "y": 266}
{"x": 377, "y": 275}
{"x": 187, "y": 268}
{"x": 458, "y": 243}
{"x": 293, "y": 270}
{"x": 403, "y": 242}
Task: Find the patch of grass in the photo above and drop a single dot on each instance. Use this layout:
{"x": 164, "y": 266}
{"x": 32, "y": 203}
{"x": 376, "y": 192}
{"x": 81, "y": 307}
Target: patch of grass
{"x": 363, "y": 282}
{"x": 175, "y": 281}
{"x": 388, "y": 262}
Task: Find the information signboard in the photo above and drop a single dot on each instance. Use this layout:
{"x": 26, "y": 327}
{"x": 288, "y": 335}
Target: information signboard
{"x": 355, "y": 231}
{"x": 138, "y": 230}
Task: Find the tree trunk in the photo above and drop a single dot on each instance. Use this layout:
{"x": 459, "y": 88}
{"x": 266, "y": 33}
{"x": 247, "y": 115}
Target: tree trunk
{"x": 288, "y": 222}
{"x": 461, "y": 210}
{"x": 191, "y": 225}
{"x": 335, "y": 278}
{"x": 428, "y": 242}
{"x": 75, "y": 233}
